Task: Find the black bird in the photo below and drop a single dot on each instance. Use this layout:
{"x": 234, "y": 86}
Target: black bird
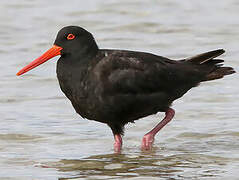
{"x": 118, "y": 86}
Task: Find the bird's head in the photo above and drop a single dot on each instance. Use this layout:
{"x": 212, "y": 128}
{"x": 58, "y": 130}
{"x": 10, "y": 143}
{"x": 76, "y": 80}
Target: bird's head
{"x": 70, "y": 41}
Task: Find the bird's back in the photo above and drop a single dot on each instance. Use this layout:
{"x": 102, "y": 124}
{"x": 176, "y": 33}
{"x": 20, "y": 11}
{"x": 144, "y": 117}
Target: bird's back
{"x": 122, "y": 86}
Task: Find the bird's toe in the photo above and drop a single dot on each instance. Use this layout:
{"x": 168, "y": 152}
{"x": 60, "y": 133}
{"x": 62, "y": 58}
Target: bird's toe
{"x": 147, "y": 142}
{"x": 117, "y": 147}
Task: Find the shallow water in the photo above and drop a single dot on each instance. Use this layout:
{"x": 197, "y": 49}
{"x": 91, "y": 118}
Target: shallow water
{"x": 41, "y": 137}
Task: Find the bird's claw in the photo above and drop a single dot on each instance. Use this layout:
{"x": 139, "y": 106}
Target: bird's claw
{"x": 117, "y": 147}
{"x": 118, "y": 143}
{"x": 147, "y": 142}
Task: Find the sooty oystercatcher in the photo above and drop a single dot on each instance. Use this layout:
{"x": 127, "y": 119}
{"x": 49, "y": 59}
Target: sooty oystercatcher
{"x": 118, "y": 86}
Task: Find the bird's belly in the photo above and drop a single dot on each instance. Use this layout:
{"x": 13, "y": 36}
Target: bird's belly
{"x": 86, "y": 105}
{"x": 98, "y": 106}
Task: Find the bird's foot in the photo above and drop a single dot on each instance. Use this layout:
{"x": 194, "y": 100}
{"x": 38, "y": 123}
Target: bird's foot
{"x": 118, "y": 143}
{"x": 147, "y": 142}
{"x": 148, "y": 138}
{"x": 117, "y": 147}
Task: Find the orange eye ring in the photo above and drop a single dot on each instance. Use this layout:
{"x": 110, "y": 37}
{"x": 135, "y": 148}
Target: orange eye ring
{"x": 70, "y": 36}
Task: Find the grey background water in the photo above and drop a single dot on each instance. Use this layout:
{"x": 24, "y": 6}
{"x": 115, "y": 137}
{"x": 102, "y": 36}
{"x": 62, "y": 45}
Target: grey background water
{"x": 41, "y": 137}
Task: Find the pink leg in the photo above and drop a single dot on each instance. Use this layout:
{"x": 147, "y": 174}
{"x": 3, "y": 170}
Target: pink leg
{"x": 148, "y": 138}
{"x": 118, "y": 143}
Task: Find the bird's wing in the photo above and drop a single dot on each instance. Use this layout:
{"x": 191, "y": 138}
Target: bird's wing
{"x": 140, "y": 84}
{"x": 132, "y": 72}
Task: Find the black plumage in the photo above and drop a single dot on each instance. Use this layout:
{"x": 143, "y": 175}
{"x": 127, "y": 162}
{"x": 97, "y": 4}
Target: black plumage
{"x": 118, "y": 86}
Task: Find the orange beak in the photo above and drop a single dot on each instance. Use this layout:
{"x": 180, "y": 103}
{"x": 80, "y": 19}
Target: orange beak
{"x": 52, "y": 52}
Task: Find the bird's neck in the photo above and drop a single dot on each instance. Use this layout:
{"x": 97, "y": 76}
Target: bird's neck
{"x": 71, "y": 76}
{"x": 75, "y": 67}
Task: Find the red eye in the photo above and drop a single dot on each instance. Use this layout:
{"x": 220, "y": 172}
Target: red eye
{"x": 70, "y": 36}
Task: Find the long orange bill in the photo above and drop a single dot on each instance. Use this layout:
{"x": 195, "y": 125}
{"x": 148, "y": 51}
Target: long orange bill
{"x": 52, "y": 52}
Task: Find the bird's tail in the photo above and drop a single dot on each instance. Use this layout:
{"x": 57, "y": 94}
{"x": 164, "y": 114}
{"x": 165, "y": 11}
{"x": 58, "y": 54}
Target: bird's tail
{"x": 212, "y": 67}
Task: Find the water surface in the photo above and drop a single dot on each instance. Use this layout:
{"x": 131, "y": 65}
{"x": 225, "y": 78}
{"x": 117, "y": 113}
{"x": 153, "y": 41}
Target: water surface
{"x": 41, "y": 137}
